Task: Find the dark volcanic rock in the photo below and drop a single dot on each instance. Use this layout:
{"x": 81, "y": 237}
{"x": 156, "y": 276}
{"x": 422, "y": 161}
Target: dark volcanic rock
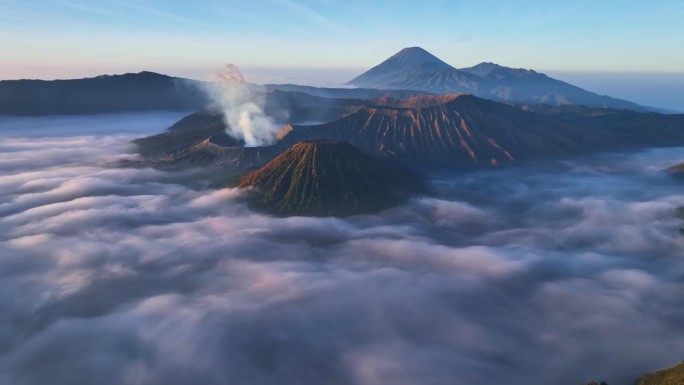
{"x": 285, "y": 107}
{"x": 454, "y": 130}
{"x": 327, "y": 178}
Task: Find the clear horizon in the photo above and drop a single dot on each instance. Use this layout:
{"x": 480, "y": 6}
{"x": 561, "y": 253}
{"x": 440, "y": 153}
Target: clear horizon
{"x": 620, "y": 51}
{"x": 52, "y": 39}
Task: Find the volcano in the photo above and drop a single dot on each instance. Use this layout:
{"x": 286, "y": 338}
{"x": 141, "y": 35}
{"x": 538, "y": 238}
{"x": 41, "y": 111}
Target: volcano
{"x": 457, "y": 130}
{"x": 327, "y": 178}
{"x": 144, "y": 91}
{"x": 416, "y": 69}
{"x": 404, "y": 64}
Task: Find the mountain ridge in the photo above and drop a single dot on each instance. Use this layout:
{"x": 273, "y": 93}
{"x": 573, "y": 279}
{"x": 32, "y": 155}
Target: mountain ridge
{"x": 487, "y": 80}
{"x": 407, "y": 62}
{"x": 459, "y": 131}
{"x": 326, "y": 178}
{"x": 142, "y": 91}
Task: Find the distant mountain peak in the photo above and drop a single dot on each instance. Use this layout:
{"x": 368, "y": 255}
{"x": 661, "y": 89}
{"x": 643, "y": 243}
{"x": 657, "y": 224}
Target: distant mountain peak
{"x": 416, "y": 55}
{"x": 487, "y": 65}
{"x": 488, "y": 69}
{"x": 459, "y": 130}
{"x": 139, "y": 75}
{"x": 409, "y": 61}
{"x": 414, "y": 49}
{"x": 150, "y": 75}
{"x": 414, "y": 68}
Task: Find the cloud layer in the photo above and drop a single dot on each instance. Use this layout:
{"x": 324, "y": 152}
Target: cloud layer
{"x": 549, "y": 274}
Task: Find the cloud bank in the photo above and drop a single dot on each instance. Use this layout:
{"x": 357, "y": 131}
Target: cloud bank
{"x": 545, "y": 275}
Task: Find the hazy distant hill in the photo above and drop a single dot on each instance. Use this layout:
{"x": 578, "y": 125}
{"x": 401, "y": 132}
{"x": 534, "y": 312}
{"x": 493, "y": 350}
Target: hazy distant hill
{"x": 458, "y": 130}
{"x": 148, "y": 91}
{"x": 416, "y": 69}
{"x": 297, "y": 106}
{"x": 344, "y": 93}
{"x": 144, "y": 91}
{"x": 323, "y": 178}
{"x": 636, "y": 129}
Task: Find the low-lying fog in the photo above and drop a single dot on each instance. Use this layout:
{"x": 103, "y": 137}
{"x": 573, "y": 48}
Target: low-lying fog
{"x": 540, "y": 275}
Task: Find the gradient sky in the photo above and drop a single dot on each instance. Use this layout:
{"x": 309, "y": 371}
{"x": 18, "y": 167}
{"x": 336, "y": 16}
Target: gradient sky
{"x": 72, "y": 38}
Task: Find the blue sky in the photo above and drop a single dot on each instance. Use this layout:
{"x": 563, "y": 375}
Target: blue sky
{"x": 65, "y": 38}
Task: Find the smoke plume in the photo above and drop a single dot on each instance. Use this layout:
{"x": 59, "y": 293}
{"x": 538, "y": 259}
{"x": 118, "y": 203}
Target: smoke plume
{"x": 243, "y": 110}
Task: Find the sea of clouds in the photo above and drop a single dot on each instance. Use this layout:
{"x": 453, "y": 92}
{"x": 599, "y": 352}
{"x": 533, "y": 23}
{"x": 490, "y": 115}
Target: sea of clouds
{"x": 544, "y": 274}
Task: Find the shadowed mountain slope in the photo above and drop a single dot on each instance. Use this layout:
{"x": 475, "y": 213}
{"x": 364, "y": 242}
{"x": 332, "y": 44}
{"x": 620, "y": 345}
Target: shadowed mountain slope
{"x": 456, "y": 130}
{"x": 324, "y": 178}
{"x": 343, "y": 93}
{"x": 629, "y": 128}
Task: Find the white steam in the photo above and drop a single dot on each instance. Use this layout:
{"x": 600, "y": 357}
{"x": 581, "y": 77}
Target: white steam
{"x": 243, "y": 110}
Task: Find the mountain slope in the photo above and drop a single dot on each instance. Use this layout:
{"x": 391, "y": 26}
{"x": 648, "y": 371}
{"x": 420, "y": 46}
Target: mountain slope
{"x": 628, "y": 127}
{"x": 455, "y": 130}
{"x": 671, "y": 376}
{"x": 405, "y": 63}
{"x": 424, "y": 72}
{"x": 283, "y": 107}
{"x": 296, "y": 106}
{"x": 144, "y": 91}
{"x": 324, "y": 178}
{"x": 459, "y": 130}
{"x": 200, "y": 140}
{"x": 343, "y": 93}
{"x": 531, "y": 87}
